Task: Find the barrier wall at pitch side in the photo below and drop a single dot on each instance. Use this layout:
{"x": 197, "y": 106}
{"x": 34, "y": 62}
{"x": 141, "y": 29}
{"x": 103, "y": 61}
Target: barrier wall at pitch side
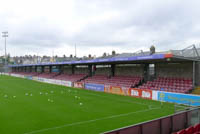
{"x": 54, "y": 81}
{"x": 180, "y": 98}
{"x": 163, "y": 125}
{"x": 116, "y": 90}
{"x": 142, "y": 93}
{"x": 45, "y": 80}
{"x": 96, "y": 87}
{"x": 187, "y": 99}
{"x": 78, "y": 84}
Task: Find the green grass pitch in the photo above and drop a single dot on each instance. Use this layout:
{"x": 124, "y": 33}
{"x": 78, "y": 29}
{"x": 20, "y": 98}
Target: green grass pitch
{"x": 53, "y": 109}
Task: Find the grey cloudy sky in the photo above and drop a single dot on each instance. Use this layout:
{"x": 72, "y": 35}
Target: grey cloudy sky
{"x": 97, "y": 26}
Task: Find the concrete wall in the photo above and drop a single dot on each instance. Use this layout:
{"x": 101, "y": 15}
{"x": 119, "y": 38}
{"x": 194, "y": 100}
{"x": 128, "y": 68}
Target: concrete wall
{"x": 102, "y": 71}
{"x": 174, "y": 69}
{"x": 77, "y": 70}
{"x": 33, "y": 69}
{"x": 39, "y": 69}
{"x": 81, "y": 69}
{"x": 67, "y": 69}
{"x": 46, "y": 69}
{"x": 129, "y": 70}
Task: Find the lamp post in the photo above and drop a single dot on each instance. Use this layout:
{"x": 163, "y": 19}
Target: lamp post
{"x": 5, "y": 35}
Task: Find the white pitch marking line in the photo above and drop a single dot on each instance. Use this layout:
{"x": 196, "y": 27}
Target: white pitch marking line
{"x": 88, "y": 121}
{"x": 117, "y": 99}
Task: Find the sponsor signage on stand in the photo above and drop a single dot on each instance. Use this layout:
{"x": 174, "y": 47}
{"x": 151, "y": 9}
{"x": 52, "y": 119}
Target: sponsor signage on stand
{"x": 116, "y": 90}
{"x": 142, "y": 93}
{"x": 180, "y": 98}
{"x": 79, "y": 84}
{"x": 96, "y": 87}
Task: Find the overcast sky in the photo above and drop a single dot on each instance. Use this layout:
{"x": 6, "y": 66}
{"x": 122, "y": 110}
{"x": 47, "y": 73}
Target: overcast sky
{"x": 97, "y": 26}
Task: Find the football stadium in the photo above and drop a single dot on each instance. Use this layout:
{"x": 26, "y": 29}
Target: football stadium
{"x": 99, "y": 67}
{"x": 138, "y": 93}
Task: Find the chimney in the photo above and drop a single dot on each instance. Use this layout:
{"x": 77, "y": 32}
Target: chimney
{"x": 113, "y": 53}
{"x": 152, "y": 49}
{"x": 104, "y": 55}
{"x": 89, "y": 56}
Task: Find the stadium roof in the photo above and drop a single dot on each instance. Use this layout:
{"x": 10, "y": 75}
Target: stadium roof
{"x": 119, "y": 60}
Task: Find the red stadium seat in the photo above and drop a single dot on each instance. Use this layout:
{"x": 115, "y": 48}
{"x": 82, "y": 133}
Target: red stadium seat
{"x": 181, "y": 132}
{"x": 124, "y": 81}
{"x": 179, "y": 85}
{"x": 197, "y": 128}
{"x": 189, "y": 130}
{"x": 68, "y": 77}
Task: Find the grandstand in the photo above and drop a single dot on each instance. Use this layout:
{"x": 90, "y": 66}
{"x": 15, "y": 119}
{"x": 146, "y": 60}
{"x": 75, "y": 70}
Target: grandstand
{"x": 172, "y": 71}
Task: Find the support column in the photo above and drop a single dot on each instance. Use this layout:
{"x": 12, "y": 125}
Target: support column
{"x": 197, "y": 73}
{"x": 112, "y": 70}
{"x": 146, "y": 72}
{"x": 30, "y": 68}
{"x": 193, "y": 73}
{"x": 90, "y": 70}
{"x": 60, "y": 69}
{"x": 42, "y": 71}
{"x": 50, "y": 69}
{"x": 73, "y": 69}
{"x": 155, "y": 71}
{"x": 35, "y": 68}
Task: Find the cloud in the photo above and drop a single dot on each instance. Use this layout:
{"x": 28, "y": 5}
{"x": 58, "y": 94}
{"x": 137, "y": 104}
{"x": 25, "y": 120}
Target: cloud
{"x": 98, "y": 26}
